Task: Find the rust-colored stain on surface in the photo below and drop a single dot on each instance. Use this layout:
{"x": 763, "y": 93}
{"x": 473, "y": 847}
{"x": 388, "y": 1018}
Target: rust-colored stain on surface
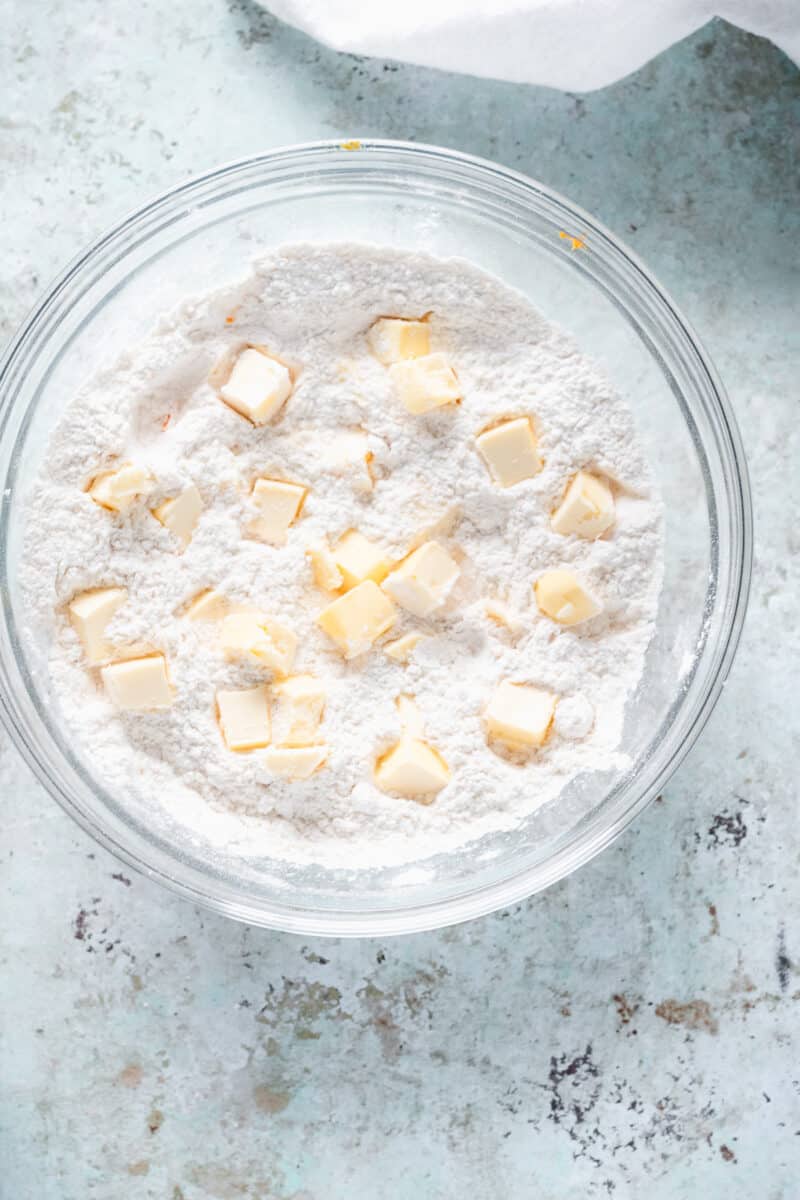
{"x": 626, "y": 1009}
{"x": 694, "y": 1014}
{"x": 268, "y": 1101}
{"x": 139, "y": 1168}
{"x": 130, "y": 1076}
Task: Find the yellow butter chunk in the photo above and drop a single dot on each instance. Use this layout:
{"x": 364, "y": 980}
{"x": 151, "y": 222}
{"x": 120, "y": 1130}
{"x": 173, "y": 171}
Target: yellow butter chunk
{"x": 260, "y": 639}
{"x": 412, "y": 768}
{"x": 258, "y": 386}
{"x": 295, "y": 762}
{"x": 358, "y": 559}
{"x": 138, "y": 683}
{"x": 116, "y": 490}
{"x": 181, "y": 514}
{"x": 326, "y": 573}
{"x": 207, "y": 605}
{"x": 510, "y": 451}
{"x": 90, "y": 613}
{"x": 278, "y": 504}
{"x": 244, "y": 717}
{"x": 561, "y": 596}
{"x": 424, "y": 580}
{"x": 393, "y": 339}
{"x": 301, "y": 703}
{"x": 401, "y": 649}
{"x": 358, "y": 618}
{"x": 425, "y": 383}
{"x": 520, "y": 715}
{"x": 587, "y": 508}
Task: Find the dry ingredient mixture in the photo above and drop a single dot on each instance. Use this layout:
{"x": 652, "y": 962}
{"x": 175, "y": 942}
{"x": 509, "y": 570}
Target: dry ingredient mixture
{"x": 350, "y": 562}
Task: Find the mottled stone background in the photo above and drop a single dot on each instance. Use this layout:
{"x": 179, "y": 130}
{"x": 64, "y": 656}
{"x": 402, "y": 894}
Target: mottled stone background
{"x": 631, "y": 1033}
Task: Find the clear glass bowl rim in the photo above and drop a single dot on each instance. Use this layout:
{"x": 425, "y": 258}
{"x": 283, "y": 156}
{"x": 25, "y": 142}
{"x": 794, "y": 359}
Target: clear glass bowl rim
{"x": 662, "y": 316}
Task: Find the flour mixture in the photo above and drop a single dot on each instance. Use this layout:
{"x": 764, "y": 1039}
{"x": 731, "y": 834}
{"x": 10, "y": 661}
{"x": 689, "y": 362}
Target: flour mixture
{"x": 359, "y": 554}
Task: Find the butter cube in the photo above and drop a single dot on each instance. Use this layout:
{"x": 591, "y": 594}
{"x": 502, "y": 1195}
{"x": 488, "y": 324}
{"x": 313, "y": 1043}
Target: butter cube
{"x": 358, "y": 559}
{"x": 326, "y": 573}
{"x": 257, "y": 386}
{"x": 116, "y": 490}
{"x": 295, "y": 762}
{"x": 393, "y": 339}
{"x": 425, "y": 383}
{"x": 244, "y": 718}
{"x": 181, "y": 514}
{"x": 587, "y": 508}
{"x": 424, "y": 580}
{"x": 279, "y": 504}
{"x": 90, "y": 613}
{"x": 207, "y": 605}
{"x": 358, "y": 618}
{"x": 402, "y": 649}
{"x": 301, "y": 703}
{"x": 520, "y": 715}
{"x": 561, "y": 596}
{"x": 260, "y": 639}
{"x": 510, "y": 451}
{"x": 412, "y": 768}
{"x": 138, "y": 683}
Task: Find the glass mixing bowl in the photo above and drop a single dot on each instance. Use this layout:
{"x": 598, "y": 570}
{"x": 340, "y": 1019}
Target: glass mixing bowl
{"x": 205, "y": 232}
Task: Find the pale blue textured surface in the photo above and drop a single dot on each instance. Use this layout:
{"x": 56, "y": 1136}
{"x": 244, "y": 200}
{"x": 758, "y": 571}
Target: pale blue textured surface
{"x": 631, "y": 1032}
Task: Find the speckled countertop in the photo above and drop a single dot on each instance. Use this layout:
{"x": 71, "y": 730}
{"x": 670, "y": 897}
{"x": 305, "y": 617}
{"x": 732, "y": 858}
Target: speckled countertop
{"x": 634, "y": 1030}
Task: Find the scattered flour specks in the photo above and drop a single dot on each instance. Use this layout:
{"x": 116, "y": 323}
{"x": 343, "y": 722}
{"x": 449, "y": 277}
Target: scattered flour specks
{"x": 312, "y": 305}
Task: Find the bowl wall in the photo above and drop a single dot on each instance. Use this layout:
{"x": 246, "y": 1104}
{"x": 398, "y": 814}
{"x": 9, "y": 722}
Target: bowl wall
{"x": 204, "y": 234}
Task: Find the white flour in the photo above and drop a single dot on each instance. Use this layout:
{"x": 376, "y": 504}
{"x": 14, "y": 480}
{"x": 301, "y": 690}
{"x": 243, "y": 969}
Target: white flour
{"x": 312, "y": 305}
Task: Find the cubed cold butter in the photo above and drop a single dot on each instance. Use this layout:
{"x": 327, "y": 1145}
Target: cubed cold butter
{"x": 244, "y": 717}
{"x": 412, "y": 768}
{"x": 207, "y": 605}
{"x": 258, "y": 386}
{"x": 326, "y": 573}
{"x": 138, "y": 683}
{"x": 561, "y": 596}
{"x": 181, "y": 513}
{"x": 587, "y": 508}
{"x": 425, "y": 383}
{"x": 424, "y": 580}
{"x": 520, "y": 715}
{"x": 393, "y": 339}
{"x": 358, "y": 559}
{"x": 116, "y": 490}
{"x": 510, "y": 451}
{"x": 295, "y": 762}
{"x": 260, "y": 639}
{"x": 279, "y": 504}
{"x": 90, "y": 613}
{"x": 403, "y": 647}
{"x": 358, "y": 618}
{"x": 300, "y": 706}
